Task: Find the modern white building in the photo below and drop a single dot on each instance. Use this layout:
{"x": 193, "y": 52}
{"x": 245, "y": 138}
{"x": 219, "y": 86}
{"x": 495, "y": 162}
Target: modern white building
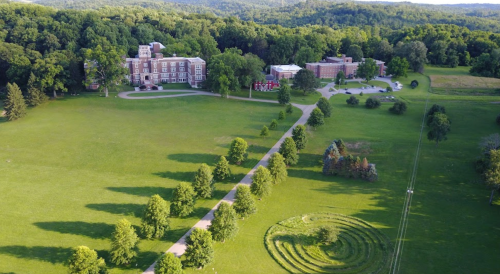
{"x": 284, "y": 71}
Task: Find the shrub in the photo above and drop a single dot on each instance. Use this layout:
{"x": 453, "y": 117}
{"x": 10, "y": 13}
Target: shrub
{"x": 274, "y": 124}
{"x": 414, "y": 84}
{"x": 289, "y": 109}
{"x": 328, "y": 234}
{"x": 389, "y": 89}
{"x": 353, "y": 101}
{"x": 398, "y": 108}
{"x": 361, "y": 94}
{"x": 281, "y": 115}
{"x": 372, "y": 103}
{"x": 264, "y": 132}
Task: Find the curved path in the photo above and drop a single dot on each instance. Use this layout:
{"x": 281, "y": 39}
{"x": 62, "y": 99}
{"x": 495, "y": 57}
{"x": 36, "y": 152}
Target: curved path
{"x": 180, "y": 246}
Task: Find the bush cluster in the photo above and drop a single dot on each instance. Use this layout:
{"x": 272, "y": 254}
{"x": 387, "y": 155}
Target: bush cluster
{"x": 347, "y": 166}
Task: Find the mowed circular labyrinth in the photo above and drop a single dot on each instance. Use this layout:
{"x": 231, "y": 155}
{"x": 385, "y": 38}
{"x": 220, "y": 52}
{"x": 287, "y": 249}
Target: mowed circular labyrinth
{"x": 360, "y": 247}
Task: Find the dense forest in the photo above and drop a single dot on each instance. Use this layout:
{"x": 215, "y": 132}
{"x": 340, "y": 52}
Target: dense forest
{"x": 36, "y": 39}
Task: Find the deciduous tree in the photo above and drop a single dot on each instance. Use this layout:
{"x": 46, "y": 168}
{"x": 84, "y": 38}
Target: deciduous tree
{"x": 299, "y": 137}
{"x": 305, "y": 80}
{"x": 398, "y": 67}
{"x": 155, "y": 220}
{"x": 15, "y": 106}
{"x": 492, "y": 174}
{"x": 224, "y": 225}
{"x": 281, "y": 115}
{"x": 372, "y": 102}
{"x": 325, "y": 106}
{"x": 284, "y": 94}
{"x": 237, "y": 150}
{"x": 183, "y": 200}
{"x": 85, "y": 261}
{"x": 244, "y": 204}
{"x": 199, "y": 250}
{"x": 288, "y": 150}
{"x": 353, "y": 101}
{"x": 168, "y": 264}
{"x": 203, "y": 182}
{"x": 355, "y": 52}
{"x": 316, "y": 118}
{"x": 104, "y": 67}
{"x": 340, "y": 78}
{"x": 123, "y": 243}
{"x": 439, "y": 128}
{"x": 273, "y": 125}
{"x": 277, "y": 168}
{"x": 289, "y": 109}
{"x": 367, "y": 69}
{"x": 261, "y": 182}
{"x": 264, "y": 132}
{"x": 399, "y": 107}
{"x": 221, "y": 170}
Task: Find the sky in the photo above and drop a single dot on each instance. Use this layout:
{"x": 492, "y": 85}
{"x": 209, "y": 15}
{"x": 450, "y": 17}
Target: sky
{"x": 444, "y": 1}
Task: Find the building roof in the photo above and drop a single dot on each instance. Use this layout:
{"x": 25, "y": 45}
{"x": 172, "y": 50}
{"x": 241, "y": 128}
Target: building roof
{"x": 152, "y": 43}
{"x": 283, "y": 68}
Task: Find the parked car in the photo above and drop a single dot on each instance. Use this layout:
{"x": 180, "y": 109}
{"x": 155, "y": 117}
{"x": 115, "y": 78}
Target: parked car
{"x": 348, "y": 92}
{"x": 381, "y": 90}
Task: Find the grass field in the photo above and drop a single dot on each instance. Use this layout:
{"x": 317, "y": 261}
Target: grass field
{"x": 72, "y": 168}
{"x": 451, "y": 225}
{"x": 297, "y": 96}
{"x": 143, "y": 94}
{"x": 75, "y": 166}
{"x": 458, "y": 81}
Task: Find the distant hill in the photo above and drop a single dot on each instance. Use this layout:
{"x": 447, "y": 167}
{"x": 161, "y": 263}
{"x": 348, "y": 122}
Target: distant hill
{"x": 333, "y": 13}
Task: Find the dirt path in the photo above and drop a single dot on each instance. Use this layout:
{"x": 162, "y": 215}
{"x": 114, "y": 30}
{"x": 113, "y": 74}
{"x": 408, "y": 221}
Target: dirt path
{"x": 180, "y": 246}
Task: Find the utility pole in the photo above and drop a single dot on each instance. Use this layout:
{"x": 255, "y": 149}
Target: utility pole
{"x": 282, "y": 3}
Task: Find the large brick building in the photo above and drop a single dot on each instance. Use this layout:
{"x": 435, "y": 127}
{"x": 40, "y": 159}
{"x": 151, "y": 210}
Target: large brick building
{"x": 149, "y": 67}
{"x": 332, "y": 65}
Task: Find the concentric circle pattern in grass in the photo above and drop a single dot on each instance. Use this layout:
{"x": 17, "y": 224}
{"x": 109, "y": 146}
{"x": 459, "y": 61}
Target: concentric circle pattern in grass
{"x": 360, "y": 247}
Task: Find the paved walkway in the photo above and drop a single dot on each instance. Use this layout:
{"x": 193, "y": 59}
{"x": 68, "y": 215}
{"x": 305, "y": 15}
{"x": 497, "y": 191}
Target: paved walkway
{"x": 180, "y": 246}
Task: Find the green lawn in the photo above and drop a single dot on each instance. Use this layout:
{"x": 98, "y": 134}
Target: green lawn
{"x": 432, "y": 70}
{"x": 176, "y": 86}
{"x": 451, "y": 225}
{"x": 297, "y": 96}
{"x": 75, "y": 166}
{"x": 143, "y": 94}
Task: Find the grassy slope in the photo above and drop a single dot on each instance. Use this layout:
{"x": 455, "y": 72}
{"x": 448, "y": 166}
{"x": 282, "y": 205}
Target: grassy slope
{"x": 296, "y": 96}
{"x": 142, "y": 94}
{"x": 72, "y": 168}
{"x": 451, "y": 226}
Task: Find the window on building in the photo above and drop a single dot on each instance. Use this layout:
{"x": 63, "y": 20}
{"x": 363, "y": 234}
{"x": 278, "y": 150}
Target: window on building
{"x": 155, "y": 76}
{"x": 146, "y": 70}
{"x": 145, "y": 65}
{"x": 173, "y": 80}
{"x": 164, "y": 70}
{"x": 172, "y": 64}
{"x": 181, "y": 69}
{"x": 181, "y": 64}
{"x": 137, "y": 76}
{"x": 198, "y": 66}
{"x": 155, "y": 71}
{"x": 136, "y": 65}
{"x": 163, "y": 64}
{"x": 198, "y": 71}
{"x": 198, "y": 77}
{"x": 154, "y": 65}
{"x": 173, "y": 69}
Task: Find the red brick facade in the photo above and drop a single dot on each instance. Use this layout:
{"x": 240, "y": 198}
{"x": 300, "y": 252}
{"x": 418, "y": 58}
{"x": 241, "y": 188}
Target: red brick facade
{"x": 330, "y": 67}
{"x": 148, "y": 70}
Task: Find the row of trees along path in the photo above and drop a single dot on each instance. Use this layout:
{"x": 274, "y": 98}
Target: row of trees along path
{"x": 180, "y": 246}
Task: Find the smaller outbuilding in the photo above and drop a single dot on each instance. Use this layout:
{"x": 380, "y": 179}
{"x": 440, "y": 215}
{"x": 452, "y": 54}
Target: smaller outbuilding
{"x": 284, "y": 71}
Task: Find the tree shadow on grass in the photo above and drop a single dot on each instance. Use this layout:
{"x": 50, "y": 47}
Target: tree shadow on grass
{"x": 55, "y": 255}
{"x": 91, "y": 230}
{"x": 135, "y": 210}
{"x": 146, "y": 191}
{"x": 310, "y": 160}
{"x": 178, "y": 176}
{"x": 196, "y": 158}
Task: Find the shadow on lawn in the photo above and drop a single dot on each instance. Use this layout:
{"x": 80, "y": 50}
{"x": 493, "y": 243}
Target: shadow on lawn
{"x": 55, "y": 255}
{"x": 135, "y": 210}
{"x": 198, "y": 158}
{"x": 146, "y": 191}
{"x": 178, "y": 175}
{"x": 92, "y": 230}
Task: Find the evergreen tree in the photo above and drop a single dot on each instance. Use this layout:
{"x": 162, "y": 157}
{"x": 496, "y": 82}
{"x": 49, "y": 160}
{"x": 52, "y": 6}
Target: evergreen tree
{"x": 237, "y": 150}
{"x": 224, "y": 225}
{"x": 274, "y": 124}
{"x": 299, "y": 137}
{"x": 221, "y": 170}
{"x": 124, "y": 242}
{"x": 264, "y": 132}
{"x": 289, "y": 151}
{"x": 183, "y": 200}
{"x": 277, "y": 168}
{"x": 281, "y": 115}
{"x": 316, "y": 119}
{"x": 244, "y": 204}
{"x": 289, "y": 109}
{"x": 85, "y": 261}
{"x": 203, "y": 182}
{"x": 341, "y": 147}
{"x": 261, "y": 182}
{"x": 35, "y": 95}
{"x": 15, "y": 106}
{"x": 284, "y": 94}
{"x": 155, "y": 220}
{"x": 325, "y": 107}
{"x": 199, "y": 250}
{"x": 168, "y": 264}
